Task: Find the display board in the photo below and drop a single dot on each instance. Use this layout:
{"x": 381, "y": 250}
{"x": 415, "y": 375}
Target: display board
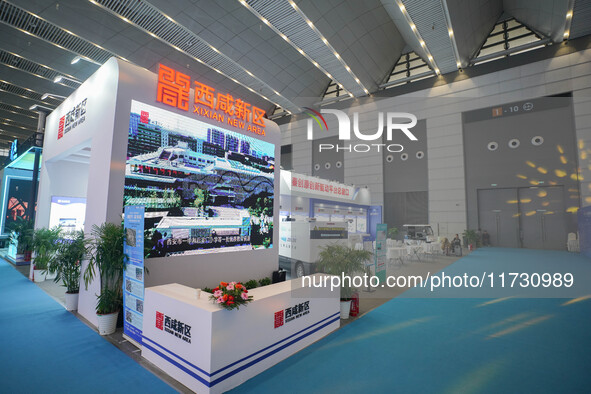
{"x": 381, "y": 251}
{"x": 16, "y": 196}
{"x": 133, "y": 279}
{"x": 68, "y": 213}
{"x": 205, "y": 189}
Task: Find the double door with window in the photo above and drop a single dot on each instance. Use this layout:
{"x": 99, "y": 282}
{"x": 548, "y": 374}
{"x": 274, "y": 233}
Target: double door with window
{"x": 529, "y": 217}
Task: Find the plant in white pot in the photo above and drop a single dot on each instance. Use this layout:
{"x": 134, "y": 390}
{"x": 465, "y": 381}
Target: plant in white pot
{"x": 339, "y": 260}
{"x": 106, "y": 262}
{"x": 45, "y": 244}
{"x": 66, "y": 266}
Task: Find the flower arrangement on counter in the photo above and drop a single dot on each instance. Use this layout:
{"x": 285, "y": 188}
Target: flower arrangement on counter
{"x": 230, "y": 295}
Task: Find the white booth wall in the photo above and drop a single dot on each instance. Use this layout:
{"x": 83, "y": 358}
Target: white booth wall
{"x": 109, "y": 93}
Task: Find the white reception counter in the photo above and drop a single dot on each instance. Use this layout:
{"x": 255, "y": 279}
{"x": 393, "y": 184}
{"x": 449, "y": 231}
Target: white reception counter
{"x": 211, "y": 350}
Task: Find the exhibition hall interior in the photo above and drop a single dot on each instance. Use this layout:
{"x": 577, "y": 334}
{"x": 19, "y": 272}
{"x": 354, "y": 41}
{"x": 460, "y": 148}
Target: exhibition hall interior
{"x": 305, "y": 196}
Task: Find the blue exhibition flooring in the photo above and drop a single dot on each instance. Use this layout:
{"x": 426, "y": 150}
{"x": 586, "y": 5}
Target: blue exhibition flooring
{"x": 415, "y": 344}
{"x": 45, "y": 349}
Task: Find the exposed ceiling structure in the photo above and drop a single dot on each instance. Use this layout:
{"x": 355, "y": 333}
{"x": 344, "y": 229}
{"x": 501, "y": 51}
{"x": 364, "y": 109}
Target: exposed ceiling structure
{"x": 280, "y": 55}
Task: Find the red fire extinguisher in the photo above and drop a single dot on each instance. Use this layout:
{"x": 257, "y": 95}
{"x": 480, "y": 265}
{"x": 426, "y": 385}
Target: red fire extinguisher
{"x": 354, "y": 304}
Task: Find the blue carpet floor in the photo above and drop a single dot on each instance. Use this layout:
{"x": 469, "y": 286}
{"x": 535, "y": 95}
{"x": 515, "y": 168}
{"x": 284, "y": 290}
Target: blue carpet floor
{"x": 45, "y": 349}
{"x": 453, "y": 345}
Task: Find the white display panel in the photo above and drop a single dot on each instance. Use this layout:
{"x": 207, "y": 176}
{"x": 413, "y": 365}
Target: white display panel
{"x": 68, "y": 213}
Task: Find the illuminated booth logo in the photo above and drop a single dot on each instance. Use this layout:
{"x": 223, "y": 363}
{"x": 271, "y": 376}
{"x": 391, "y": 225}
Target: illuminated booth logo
{"x": 174, "y": 89}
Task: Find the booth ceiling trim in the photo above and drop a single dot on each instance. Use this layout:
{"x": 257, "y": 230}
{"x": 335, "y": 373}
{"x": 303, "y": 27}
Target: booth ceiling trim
{"x": 286, "y": 19}
{"x": 145, "y": 16}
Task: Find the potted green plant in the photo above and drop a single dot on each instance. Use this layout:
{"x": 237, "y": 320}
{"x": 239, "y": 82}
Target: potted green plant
{"x": 106, "y": 262}
{"x": 66, "y": 266}
{"x": 471, "y": 238}
{"x": 21, "y": 236}
{"x": 341, "y": 260}
{"x": 392, "y": 232}
{"x": 44, "y": 245}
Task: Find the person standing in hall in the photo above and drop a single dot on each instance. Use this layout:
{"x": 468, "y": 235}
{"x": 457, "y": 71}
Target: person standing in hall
{"x": 485, "y": 238}
{"x": 456, "y": 245}
{"x": 479, "y": 238}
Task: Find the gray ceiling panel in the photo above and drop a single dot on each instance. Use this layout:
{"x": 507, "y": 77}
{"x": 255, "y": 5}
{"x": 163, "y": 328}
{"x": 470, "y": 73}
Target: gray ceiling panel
{"x": 355, "y": 20}
{"x": 7, "y": 113}
{"x": 38, "y": 84}
{"x": 547, "y": 17}
{"x": 472, "y": 21}
{"x": 368, "y": 36}
{"x": 581, "y": 22}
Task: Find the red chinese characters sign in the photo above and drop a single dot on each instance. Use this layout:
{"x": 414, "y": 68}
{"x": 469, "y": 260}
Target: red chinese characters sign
{"x": 320, "y": 186}
{"x": 174, "y": 89}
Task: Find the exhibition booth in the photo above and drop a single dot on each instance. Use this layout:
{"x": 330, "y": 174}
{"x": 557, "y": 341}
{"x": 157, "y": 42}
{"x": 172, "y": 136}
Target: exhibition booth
{"x": 316, "y": 213}
{"x": 303, "y": 197}
{"x": 193, "y": 172}
{"x": 17, "y": 187}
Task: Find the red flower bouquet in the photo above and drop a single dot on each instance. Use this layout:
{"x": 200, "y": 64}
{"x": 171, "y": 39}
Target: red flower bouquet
{"x": 230, "y": 295}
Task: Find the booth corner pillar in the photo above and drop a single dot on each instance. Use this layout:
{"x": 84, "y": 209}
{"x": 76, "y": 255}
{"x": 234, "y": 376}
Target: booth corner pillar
{"x": 35, "y": 180}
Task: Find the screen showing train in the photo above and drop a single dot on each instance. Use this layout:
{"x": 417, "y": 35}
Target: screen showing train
{"x": 205, "y": 189}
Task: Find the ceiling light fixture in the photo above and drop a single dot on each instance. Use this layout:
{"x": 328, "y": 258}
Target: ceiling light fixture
{"x": 569, "y": 20}
{"x": 60, "y": 78}
{"x": 450, "y": 32}
{"x": 37, "y": 107}
{"x": 270, "y": 22}
{"x": 46, "y": 95}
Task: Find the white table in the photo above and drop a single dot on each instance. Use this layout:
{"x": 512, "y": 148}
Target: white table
{"x": 397, "y": 253}
{"x": 432, "y": 247}
{"x": 221, "y": 348}
{"x": 414, "y": 250}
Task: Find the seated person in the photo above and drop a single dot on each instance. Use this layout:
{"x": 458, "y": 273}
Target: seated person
{"x": 446, "y": 246}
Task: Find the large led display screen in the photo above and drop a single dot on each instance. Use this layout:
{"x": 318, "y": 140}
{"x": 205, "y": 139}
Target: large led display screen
{"x": 204, "y": 188}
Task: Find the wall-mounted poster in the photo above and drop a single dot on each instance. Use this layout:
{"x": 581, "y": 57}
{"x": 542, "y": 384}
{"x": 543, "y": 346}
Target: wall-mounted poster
{"x": 204, "y": 188}
{"x": 68, "y": 213}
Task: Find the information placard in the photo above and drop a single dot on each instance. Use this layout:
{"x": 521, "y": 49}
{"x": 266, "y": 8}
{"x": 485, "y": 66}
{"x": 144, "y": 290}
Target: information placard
{"x": 381, "y": 251}
{"x": 133, "y": 279}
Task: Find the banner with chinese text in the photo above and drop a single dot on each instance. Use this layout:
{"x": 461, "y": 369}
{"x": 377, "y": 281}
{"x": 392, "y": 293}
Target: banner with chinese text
{"x": 133, "y": 278}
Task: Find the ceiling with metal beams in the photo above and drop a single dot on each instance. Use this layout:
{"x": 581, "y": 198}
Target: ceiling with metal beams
{"x": 280, "y": 55}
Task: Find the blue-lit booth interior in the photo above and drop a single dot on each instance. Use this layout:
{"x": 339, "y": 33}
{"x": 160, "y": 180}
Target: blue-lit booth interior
{"x": 17, "y": 184}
